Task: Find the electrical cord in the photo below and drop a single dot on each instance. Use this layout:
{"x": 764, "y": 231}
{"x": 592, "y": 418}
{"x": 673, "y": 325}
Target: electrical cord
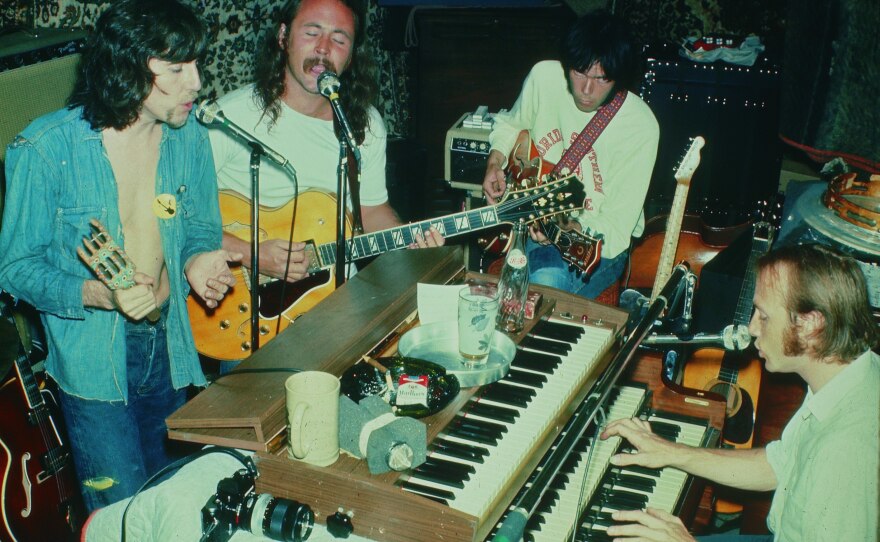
{"x": 243, "y": 459}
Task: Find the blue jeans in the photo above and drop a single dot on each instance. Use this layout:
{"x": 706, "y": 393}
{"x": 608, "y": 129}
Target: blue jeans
{"x": 117, "y": 446}
{"x": 547, "y": 267}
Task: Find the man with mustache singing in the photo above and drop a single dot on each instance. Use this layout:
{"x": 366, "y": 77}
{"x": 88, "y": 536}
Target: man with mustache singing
{"x": 284, "y": 109}
{"x": 124, "y": 155}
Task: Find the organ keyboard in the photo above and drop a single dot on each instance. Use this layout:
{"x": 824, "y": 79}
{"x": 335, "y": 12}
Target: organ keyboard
{"x": 483, "y": 447}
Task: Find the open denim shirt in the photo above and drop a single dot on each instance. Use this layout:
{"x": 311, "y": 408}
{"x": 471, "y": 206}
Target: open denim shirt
{"x": 58, "y": 179}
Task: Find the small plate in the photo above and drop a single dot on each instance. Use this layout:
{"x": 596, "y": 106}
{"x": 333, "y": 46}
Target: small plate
{"x": 438, "y": 342}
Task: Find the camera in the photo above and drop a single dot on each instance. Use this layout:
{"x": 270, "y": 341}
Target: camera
{"x": 237, "y": 506}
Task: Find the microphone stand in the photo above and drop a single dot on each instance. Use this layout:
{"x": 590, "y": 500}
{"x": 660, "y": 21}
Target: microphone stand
{"x": 256, "y": 152}
{"x": 342, "y": 193}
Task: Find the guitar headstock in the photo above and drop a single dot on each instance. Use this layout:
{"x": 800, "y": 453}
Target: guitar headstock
{"x": 689, "y": 162}
{"x": 563, "y": 195}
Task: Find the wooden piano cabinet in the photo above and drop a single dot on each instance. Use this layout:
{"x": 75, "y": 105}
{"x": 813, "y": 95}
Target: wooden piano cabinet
{"x": 247, "y": 411}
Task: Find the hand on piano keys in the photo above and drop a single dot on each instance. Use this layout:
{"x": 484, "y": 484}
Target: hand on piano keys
{"x": 651, "y": 524}
{"x": 651, "y": 450}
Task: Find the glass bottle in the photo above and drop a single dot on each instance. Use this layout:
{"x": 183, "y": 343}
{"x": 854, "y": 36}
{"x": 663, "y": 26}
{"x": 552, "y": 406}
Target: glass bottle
{"x": 513, "y": 286}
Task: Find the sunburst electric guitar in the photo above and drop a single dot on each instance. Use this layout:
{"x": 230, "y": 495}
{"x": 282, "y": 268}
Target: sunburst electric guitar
{"x": 224, "y": 333}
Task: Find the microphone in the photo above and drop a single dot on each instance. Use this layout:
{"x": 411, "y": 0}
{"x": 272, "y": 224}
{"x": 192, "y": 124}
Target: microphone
{"x": 328, "y": 86}
{"x": 734, "y": 337}
{"x": 209, "y": 113}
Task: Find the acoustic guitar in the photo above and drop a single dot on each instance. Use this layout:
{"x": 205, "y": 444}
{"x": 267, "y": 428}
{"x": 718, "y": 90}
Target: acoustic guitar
{"x": 224, "y": 333}
{"x": 525, "y": 169}
{"x": 735, "y": 375}
{"x": 40, "y": 494}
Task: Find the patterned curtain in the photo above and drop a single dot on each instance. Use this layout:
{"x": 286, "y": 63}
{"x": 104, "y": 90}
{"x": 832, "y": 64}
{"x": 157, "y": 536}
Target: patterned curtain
{"x": 236, "y": 26}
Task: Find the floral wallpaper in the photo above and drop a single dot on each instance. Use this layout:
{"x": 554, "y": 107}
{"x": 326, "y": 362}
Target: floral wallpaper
{"x": 236, "y": 26}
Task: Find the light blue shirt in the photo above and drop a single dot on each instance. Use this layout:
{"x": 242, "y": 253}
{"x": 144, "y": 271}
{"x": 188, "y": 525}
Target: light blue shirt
{"x": 826, "y": 462}
{"x": 58, "y": 179}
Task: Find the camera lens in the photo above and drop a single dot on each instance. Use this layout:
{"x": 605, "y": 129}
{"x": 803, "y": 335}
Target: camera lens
{"x": 281, "y": 519}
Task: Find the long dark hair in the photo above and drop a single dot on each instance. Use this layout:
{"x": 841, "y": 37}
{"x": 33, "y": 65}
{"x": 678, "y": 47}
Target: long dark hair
{"x": 602, "y": 37}
{"x": 823, "y": 279}
{"x": 358, "y": 81}
{"x": 114, "y": 77}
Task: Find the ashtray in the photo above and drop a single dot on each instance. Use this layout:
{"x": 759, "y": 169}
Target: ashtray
{"x": 438, "y": 342}
{"x": 364, "y": 379}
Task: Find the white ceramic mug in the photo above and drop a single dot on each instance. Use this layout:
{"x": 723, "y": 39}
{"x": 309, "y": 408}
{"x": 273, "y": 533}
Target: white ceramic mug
{"x": 313, "y": 417}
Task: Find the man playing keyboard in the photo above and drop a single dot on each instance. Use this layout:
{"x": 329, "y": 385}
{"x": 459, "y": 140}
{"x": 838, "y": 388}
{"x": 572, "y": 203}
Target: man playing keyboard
{"x": 812, "y": 318}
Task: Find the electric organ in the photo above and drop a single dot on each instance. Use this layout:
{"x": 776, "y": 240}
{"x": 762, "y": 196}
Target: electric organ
{"x": 485, "y": 447}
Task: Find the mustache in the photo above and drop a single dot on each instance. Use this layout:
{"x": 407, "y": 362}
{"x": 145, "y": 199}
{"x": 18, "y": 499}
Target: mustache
{"x": 310, "y": 63}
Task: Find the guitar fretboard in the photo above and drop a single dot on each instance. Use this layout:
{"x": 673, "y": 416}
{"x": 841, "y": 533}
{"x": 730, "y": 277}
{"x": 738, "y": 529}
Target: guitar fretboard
{"x": 373, "y": 244}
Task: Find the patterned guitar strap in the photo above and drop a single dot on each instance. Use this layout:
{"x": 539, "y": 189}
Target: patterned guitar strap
{"x": 591, "y": 132}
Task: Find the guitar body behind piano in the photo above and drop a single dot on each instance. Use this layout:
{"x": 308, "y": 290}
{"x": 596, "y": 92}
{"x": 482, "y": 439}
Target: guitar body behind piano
{"x": 40, "y": 493}
{"x": 224, "y": 333}
{"x": 735, "y": 375}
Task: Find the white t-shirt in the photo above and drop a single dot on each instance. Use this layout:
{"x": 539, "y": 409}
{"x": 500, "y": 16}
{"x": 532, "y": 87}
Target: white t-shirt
{"x": 309, "y": 144}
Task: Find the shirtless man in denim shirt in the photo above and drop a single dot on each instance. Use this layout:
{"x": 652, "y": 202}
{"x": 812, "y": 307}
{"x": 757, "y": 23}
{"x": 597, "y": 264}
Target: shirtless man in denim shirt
{"x": 123, "y": 153}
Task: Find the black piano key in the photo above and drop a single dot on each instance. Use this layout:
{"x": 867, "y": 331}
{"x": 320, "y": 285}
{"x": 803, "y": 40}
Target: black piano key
{"x": 438, "y": 477}
{"x": 493, "y": 412}
{"x": 669, "y": 431}
{"x": 601, "y": 518}
{"x": 594, "y": 536}
{"x": 632, "y": 481}
{"x": 428, "y": 491}
{"x": 625, "y": 497}
{"x": 451, "y": 465}
{"x": 524, "y": 378}
{"x": 475, "y": 436}
{"x": 545, "y": 345}
{"x": 484, "y": 425}
{"x": 468, "y": 452}
{"x": 555, "y": 330}
{"x": 647, "y": 471}
{"x": 622, "y": 505}
{"x": 508, "y": 395}
{"x": 445, "y": 472}
{"x": 535, "y": 361}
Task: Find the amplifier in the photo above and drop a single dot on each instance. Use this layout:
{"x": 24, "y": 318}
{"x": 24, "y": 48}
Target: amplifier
{"x": 36, "y": 77}
{"x": 736, "y": 109}
{"x": 467, "y": 147}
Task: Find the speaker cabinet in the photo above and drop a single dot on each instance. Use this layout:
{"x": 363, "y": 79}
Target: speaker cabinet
{"x": 37, "y": 74}
{"x": 37, "y": 77}
{"x": 736, "y": 109}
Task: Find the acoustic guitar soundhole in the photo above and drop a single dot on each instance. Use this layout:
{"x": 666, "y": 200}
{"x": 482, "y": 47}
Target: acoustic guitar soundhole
{"x": 740, "y": 419}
